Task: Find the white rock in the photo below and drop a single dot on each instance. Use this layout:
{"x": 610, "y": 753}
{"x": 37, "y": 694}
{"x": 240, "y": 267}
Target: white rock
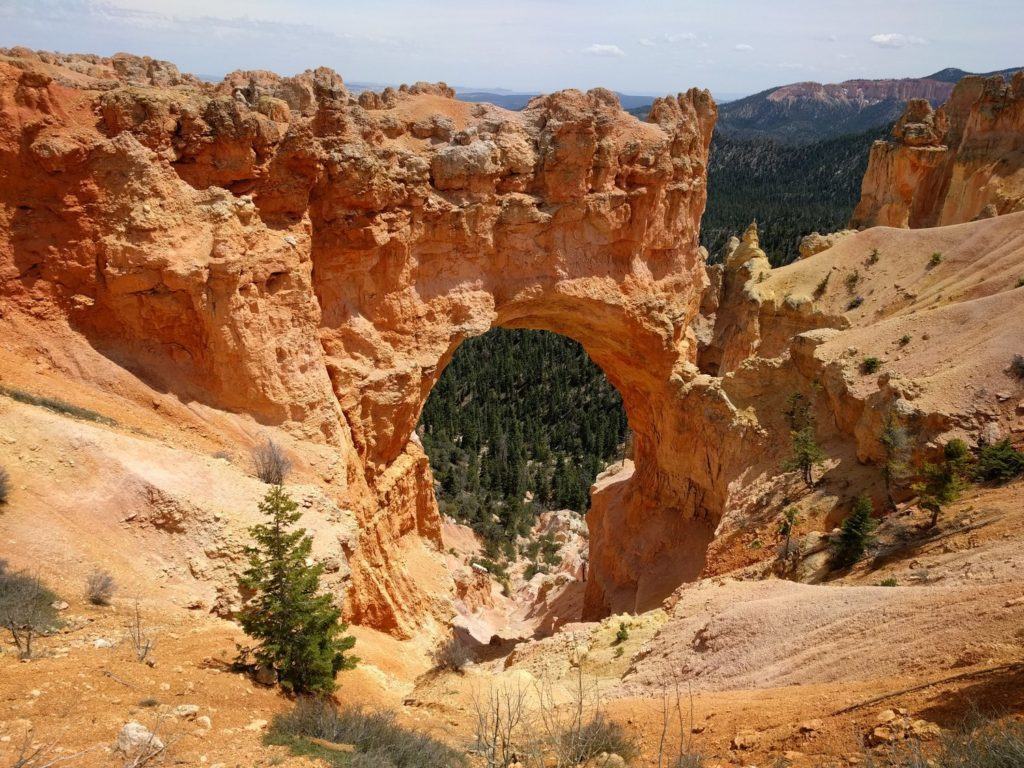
{"x": 135, "y": 739}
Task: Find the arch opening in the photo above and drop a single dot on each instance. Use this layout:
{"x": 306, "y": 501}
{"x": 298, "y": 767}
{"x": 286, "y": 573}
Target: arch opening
{"x": 519, "y": 423}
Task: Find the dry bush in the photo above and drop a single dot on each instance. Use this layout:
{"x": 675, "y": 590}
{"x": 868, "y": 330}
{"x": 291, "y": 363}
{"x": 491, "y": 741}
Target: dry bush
{"x": 99, "y": 588}
{"x": 139, "y": 636}
{"x": 5, "y": 486}
{"x": 530, "y": 727}
{"x": 26, "y": 608}
{"x": 43, "y": 754}
{"x": 451, "y": 654}
{"x": 270, "y": 463}
{"x": 380, "y": 742}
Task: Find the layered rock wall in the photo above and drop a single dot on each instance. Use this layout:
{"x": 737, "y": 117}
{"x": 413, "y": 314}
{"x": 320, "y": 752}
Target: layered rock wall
{"x": 959, "y": 163}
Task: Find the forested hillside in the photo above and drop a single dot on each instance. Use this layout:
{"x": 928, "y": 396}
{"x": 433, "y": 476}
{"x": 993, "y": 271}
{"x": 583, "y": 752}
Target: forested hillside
{"x": 520, "y": 421}
{"x": 791, "y": 190}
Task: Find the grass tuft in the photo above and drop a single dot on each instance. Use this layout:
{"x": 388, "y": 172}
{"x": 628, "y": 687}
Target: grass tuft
{"x": 55, "y": 405}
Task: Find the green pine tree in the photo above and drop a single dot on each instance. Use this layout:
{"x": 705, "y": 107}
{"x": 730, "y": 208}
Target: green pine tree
{"x": 299, "y": 630}
{"x": 856, "y": 533}
{"x": 943, "y": 483}
{"x": 806, "y": 454}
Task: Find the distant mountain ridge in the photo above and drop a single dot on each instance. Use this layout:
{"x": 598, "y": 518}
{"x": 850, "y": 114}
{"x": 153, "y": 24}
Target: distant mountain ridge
{"x": 809, "y": 111}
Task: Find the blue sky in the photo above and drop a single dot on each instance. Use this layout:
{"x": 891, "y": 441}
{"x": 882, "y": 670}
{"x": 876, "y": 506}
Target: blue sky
{"x": 659, "y": 46}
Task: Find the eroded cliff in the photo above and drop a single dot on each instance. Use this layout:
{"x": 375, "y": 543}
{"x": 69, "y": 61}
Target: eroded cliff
{"x": 281, "y": 248}
{"x": 961, "y": 162}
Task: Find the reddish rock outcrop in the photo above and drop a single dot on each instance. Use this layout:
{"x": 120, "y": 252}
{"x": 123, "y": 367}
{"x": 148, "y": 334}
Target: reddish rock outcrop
{"x": 277, "y": 247}
{"x": 962, "y": 162}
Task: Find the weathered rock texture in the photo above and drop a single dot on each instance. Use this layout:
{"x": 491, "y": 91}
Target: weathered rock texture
{"x": 961, "y": 162}
{"x": 280, "y": 248}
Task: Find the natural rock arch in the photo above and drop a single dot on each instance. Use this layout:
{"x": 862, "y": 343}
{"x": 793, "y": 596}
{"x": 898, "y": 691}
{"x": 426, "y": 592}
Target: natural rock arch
{"x": 282, "y": 248}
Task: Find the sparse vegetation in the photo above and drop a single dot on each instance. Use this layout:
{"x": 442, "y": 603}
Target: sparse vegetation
{"x": 856, "y": 534}
{"x": 270, "y": 463}
{"x": 26, "y": 608}
{"x": 890, "y": 582}
{"x": 5, "y": 486}
{"x": 855, "y": 302}
{"x": 1020, "y": 282}
{"x": 943, "y": 482}
{"x": 873, "y": 257}
{"x": 904, "y": 339}
{"x": 935, "y": 260}
{"x": 380, "y": 742}
{"x": 806, "y": 454}
{"x": 998, "y": 744}
{"x": 896, "y": 468}
{"x": 821, "y": 287}
{"x": 851, "y": 281}
{"x": 55, "y": 405}
{"x": 299, "y": 630}
{"x": 141, "y": 639}
{"x": 451, "y": 654}
{"x": 596, "y": 736}
{"x": 99, "y": 588}
{"x": 786, "y": 526}
{"x": 998, "y": 463}
{"x": 870, "y": 365}
{"x": 1017, "y": 366}
{"x": 622, "y": 635}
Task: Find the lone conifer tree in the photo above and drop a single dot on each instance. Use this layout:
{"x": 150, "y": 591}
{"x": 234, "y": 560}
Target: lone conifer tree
{"x": 896, "y": 469}
{"x": 299, "y": 631}
{"x": 855, "y": 534}
{"x": 806, "y": 454}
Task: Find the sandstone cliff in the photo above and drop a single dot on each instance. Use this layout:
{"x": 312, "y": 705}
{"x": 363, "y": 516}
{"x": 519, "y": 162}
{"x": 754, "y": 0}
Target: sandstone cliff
{"x": 279, "y": 248}
{"x": 958, "y": 163}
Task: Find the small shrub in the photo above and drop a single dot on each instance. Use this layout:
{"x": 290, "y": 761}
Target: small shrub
{"x": 998, "y": 463}
{"x": 1017, "y": 366}
{"x": 150, "y": 702}
{"x": 26, "y": 608}
{"x": 851, "y": 281}
{"x": 904, "y": 339}
{"x": 935, "y": 260}
{"x": 378, "y": 739}
{"x": 99, "y": 588}
{"x": 55, "y": 405}
{"x": 594, "y": 737}
{"x": 139, "y": 636}
{"x": 622, "y": 635}
{"x": 451, "y": 654}
{"x": 618, "y": 652}
{"x": 873, "y": 258}
{"x": 855, "y": 534}
{"x": 870, "y": 365}
{"x": 820, "y": 288}
{"x": 270, "y": 463}
{"x": 855, "y": 302}
{"x": 5, "y": 486}
{"x": 890, "y": 582}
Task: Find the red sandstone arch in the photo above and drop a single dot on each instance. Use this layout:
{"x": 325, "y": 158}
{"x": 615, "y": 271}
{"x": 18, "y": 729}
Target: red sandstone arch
{"x": 376, "y": 234}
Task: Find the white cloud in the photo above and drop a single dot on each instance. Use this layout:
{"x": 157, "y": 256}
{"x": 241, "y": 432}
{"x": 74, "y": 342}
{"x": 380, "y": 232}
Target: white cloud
{"x": 896, "y": 40}
{"x": 680, "y": 37}
{"x": 743, "y": 47}
{"x": 602, "y": 49}
{"x": 646, "y": 42}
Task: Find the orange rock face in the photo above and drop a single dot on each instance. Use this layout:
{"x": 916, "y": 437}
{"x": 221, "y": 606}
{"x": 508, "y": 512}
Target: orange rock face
{"x": 962, "y": 162}
{"x": 278, "y": 247}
